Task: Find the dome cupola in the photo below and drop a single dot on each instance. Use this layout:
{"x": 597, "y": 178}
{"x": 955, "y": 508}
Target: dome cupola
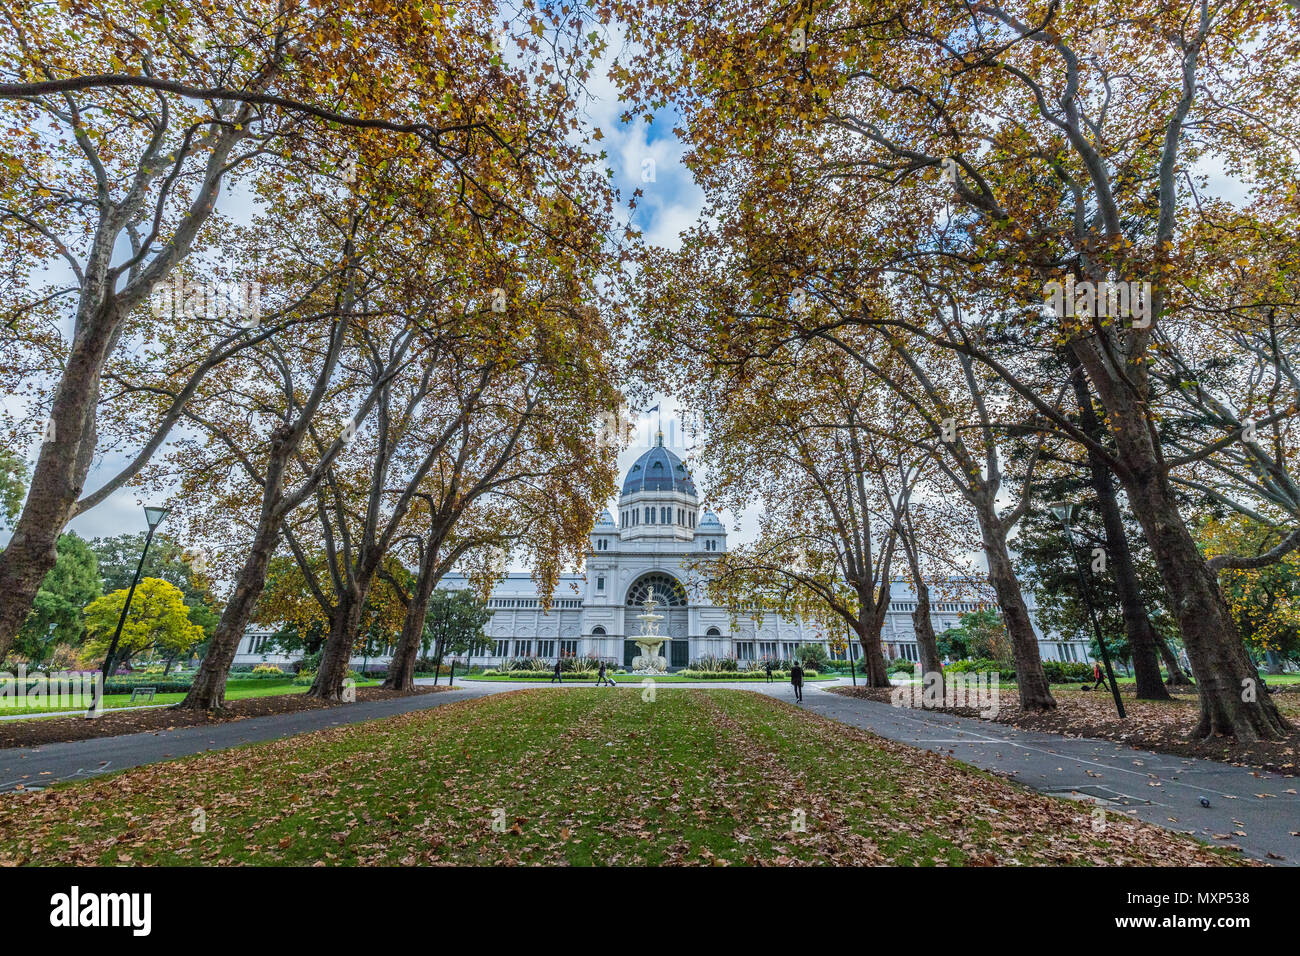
{"x": 659, "y": 470}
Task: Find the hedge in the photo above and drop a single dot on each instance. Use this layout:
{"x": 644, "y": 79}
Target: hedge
{"x": 161, "y": 686}
{"x": 1058, "y": 672}
{"x": 755, "y": 674}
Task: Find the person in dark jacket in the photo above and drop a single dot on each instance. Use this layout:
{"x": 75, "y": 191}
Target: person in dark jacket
{"x": 796, "y": 679}
{"x": 767, "y": 666}
{"x": 556, "y": 676}
{"x": 600, "y": 678}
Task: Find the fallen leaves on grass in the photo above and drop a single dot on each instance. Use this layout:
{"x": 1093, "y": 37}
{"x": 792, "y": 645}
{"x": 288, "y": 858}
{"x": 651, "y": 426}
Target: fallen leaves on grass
{"x": 1162, "y": 726}
{"x": 701, "y": 777}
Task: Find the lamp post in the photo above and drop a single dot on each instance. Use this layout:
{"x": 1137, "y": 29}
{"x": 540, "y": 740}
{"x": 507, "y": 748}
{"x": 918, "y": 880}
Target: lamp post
{"x": 848, "y": 652}
{"x": 1064, "y": 511}
{"x": 153, "y": 517}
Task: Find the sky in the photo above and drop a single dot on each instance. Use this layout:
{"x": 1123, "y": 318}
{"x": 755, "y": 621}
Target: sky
{"x": 643, "y": 156}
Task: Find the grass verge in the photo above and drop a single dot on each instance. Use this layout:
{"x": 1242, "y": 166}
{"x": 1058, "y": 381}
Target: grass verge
{"x": 575, "y": 777}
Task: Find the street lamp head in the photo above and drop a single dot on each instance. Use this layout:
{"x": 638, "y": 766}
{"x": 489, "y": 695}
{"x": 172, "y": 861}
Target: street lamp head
{"x": 1064, "y": 511}
{"x": 154, "y": 516}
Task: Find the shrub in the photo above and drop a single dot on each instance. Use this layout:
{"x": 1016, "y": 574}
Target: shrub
{"x": 712, "y": 662}
{"x": 268, "y": 669}
{"x": 755, "y": 674}
{"x": 427, "y": 665}
{"x": 982, "y": 664}
{"x": 585, "y": 663}
{"x": 812, "y": 656}
{"x": 162, "y": 686}
{"x": 1067, "y": 672}
{"x": 525, "y": 664}
{"x": 546, "y": 674}
{"x": 901, "y": 664}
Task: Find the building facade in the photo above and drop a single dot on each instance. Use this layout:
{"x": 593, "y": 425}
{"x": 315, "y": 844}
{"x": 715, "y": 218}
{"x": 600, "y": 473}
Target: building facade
{"x": 659, "y": 533}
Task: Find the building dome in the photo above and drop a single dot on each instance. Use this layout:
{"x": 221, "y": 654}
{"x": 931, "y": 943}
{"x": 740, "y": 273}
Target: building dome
{"x": 658, "y": 470}
{"x": 710, "y": 520}
{"x": 606, "y": 520}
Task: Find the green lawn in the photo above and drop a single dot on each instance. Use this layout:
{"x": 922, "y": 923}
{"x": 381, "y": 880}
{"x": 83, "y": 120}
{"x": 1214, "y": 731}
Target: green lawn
{"x": 579, "y": 776}
{"x": 235, "y": 690}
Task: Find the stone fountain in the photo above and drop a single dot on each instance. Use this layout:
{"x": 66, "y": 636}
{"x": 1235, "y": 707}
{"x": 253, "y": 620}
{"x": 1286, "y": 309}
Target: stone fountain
{"x": 650, "y": 661}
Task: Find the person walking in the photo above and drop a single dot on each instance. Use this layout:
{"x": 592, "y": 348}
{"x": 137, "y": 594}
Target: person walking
{"x": 796, "y": 679}
{"x": 1097, "y": 675}
{"x": 556, "y": 676}
{"x": 600, "y": 678}
{"x": 767, "y": 666}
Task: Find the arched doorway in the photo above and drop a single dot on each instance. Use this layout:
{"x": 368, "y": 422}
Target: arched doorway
{"x": 672, "y": 602}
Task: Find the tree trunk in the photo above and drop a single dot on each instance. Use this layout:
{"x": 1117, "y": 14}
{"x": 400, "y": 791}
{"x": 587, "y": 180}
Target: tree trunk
{"x": 401, "y": 671}
{"x": 924, "y": 628}
{"x": 208, "y": 692}
{"x": 1137, "y": 625}
{"x": 1031, "y": 681}
{"x": 60, "y": 473}
{"x": 873, "y": 656}
{"x": 1233, "y": 702}
{"x": 1176, "y": 676}
{"x": 344, "y": 626}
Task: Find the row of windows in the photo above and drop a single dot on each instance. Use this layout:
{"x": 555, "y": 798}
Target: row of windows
{"x": 545, "y": 649}
{"x": 664, "y": 514}
{"x": 565, "y": 604}
{"x": 952, "y": 608}
{"x": 745, "y": 650}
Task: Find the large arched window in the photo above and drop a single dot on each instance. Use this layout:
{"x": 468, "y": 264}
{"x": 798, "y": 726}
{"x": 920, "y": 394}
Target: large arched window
{"x": 713, "y": 632}
{"x": 668, "y": 590}
{"x": 597, "y": 631}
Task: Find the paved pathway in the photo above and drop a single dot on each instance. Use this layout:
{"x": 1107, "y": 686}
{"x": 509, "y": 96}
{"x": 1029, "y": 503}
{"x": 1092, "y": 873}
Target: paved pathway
{"x": 1258, "y": 811}
{"x": 33, "y": 767}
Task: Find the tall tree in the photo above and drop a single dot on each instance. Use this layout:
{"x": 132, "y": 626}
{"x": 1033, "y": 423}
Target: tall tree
{"x": 1024, "y": 152}
{"x": 125, "y": 123}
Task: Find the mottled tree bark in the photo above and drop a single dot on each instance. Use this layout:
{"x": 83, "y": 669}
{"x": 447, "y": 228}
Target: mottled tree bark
{"x": 60, "y": 473}
{"x": 1137, "y": 625}
{"x": 1031, "y": 681}
{"x": 345, "y": 623}
{"x": 1231, "y": 696}
{"x": 873, "y": 656}
{"x": 924, "y": 628}
{"x": 1176, "y": 676}
{"x": 208, "y": 692}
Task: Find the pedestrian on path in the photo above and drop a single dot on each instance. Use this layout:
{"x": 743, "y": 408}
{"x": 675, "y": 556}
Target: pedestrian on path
{"x": 1098, "y": 676}
{"x": 601, "y": 678}
{"x": 767, "y": 666}
{"x": 796, "y": 679}
{"x": 556, "y": 676}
